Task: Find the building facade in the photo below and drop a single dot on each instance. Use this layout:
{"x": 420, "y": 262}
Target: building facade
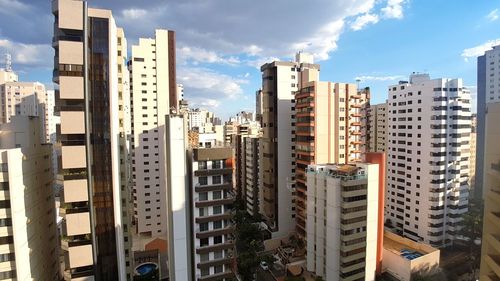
{"x": 86, "y": 43}
{"x": 343, "y": 221}
{"x": 329, "y": 129}
{"x": 377, "y": 131}
{"x": 212, "y": 200}
{"x": 29, "y": 247}
{"x": 152, "y": 59}
{"x": 428, "y": 158}
{"x": 490, "y": 263}
{"x": 280, "y": 81}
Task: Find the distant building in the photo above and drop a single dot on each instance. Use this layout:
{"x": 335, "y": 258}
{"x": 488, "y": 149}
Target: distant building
{"x": 428, "y": 151}
{"x": 30, "y": 244}
{"x": 377, "y": 132}
{"x": 472, "y": 159}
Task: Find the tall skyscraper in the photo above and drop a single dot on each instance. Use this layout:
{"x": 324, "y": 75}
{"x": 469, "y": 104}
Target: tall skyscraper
{"x": 428, "y": 158}
{"x": 30, "y": 249}
{"x": 154, "y": 94}
{"x": 377, "y": 131}
{"x": 280, "y": 81}
{"x": 86, "y": 70}
{"x": 490, "y": 263}
{"x": 488, "y": 90}
{"x": 343, "y": 221}
{"x": 329, "y": 129}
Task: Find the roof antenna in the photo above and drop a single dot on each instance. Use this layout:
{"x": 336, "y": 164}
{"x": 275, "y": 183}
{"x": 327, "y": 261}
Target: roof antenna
{"x": 8, "y": 62}
{"x": 357, "y": 82}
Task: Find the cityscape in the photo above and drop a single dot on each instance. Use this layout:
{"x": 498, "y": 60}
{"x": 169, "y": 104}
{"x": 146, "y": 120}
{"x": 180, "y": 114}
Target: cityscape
{"x": 149, "y": 157}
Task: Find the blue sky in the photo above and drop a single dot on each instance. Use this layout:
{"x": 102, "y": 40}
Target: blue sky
{"x": 221, "y": 44}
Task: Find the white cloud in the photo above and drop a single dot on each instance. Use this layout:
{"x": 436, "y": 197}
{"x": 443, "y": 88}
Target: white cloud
{"x": 379, "y": 78}
{"x": 199, "y": 55}
{"x": 28, "y": 54}
{"x": 393, "y": 9}
{"x": 364, "y": 20}
{"x": 493, "y": 15}
{"x": 480, "y": 49}
{"x": 253, "y": 50}
{"x": 134, "y": 13}
{"x": 204, "y": 85}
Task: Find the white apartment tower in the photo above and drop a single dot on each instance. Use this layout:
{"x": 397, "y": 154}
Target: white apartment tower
{"x": 29, "y": 244}
{"x": 280, "y": 81}
{"x": 377, "y": 132}
{"x": 342, "y": 221}
{"x": 154, "y": 95}
{"x": 428, "y": 158}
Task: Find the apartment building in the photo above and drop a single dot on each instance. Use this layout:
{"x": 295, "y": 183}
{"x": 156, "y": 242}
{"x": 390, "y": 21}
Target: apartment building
{"x": 29, "y": 247}
{"x": 212, "y": 199}
{"x": 258, "y": 105}
{"x": 124, "y": 139}
{"x": 280, "y": 81}
{"x": 428, "y": 158}
{"x": 152, "y": 72}
{"x": 490, "y": 262}
{"x": 246, "y": 150}
{"x": 377, "y": 131}
{"x": 343, "y": 221}
{"x": 472, "y": 158}
{"x": 488, "y": 90}
{"x": 86, "y": 70}
{"x": 329, "y": 129}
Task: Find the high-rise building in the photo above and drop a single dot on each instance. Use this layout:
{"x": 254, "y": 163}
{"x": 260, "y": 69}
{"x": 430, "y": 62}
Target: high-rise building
{"x": 86, "y": 70}
{"x": 152, "y": 69}
{"x": 258, "y": 105}
{"x": 343, "y": 221}
{"x": 472, "y": 158}
{"x": 280, "y": 81}
{"x": 377, "y": 131}
{"x": 488, "y": 90}
{"x": 428, "y": 150}
{"x": 30, "y": 249}
{"x": 329, "y": 129}
{"x": 212, "y": 201}
{"x": 490, "y": 262}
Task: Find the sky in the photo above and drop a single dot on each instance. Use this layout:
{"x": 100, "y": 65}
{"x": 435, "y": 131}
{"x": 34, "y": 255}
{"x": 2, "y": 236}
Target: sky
{"x": 222, "y": 44}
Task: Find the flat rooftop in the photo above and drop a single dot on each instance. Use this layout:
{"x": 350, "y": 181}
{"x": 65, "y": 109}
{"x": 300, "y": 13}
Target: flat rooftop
{"x": 406, "y": 247}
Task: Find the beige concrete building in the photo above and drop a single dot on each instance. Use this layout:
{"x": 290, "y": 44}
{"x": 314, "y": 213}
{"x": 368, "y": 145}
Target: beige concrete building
{"x": 343, "y": 220}
{"x": 152, "y": 69}
{"x": 280, "y": 81}
{"x": 377, "y": 129}
{"x": 404, "y": 257}
{"x": 86, "y": 43}
{"x": 490, "y": 254}
{"x": 330, "y": 128}
{"x": 28, "y": 231}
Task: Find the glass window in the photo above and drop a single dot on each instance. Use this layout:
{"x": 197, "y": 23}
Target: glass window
{"x": 217, "y": 224}
{"x": 203, "y": 196}
{"x": 203, "y": 180}
{"x": 202, "y": 165}
{"x": 217, "y": 195}
{"x": 203, "y": 242}
{"x": 217, "y": 210}
{"x": 217, "y": 239}
{"x": 204, "y": 226}
{"x": 216, "y": 164}
{"x": 216, "y": 179}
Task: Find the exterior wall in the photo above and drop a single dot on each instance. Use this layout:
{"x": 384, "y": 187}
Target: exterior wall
{"x": 342, "y": 221}
{"x": 280, "y": 80}
{"x": 27, "y": 215}
{"x": 212, "y": 201}
{"x": 178, "y": 212}
{"x": 150, "y": 61}
{"x": 490, "y": 263}
{"x": 430, "y": 127}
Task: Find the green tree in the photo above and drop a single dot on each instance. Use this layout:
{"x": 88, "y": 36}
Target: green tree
{"x": 472, "y": 231}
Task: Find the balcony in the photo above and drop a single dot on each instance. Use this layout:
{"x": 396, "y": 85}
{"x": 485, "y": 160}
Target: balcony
{"x": 213, "y": 248}
{"x": 493, "y": 261}
{"x": 215, "y": 232}
{"x": 80, "y": 256}
{"x": 217, "y": 276}
{"x": 77, "y": 223}
{"x": 207, "y": 203}
{"x": 211, "y": 263}
{"x": 213, "y": 172}
{"x": 73, "y": 157}
{"x": 213, "y": 187}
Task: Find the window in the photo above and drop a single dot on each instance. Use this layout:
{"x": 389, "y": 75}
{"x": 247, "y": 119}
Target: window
{"x": 217, "y": 224}
{"x": 218, "y": 269}
{"x": 203, "y": 196}
{"x": 201, "y": 212}
{"x": 203, "y": 242}
{"x": 205, "y": 271}
{"x": 203, "y": 180}
{"x": 216, "y": 165}
{"x": 216, "y": 179}
{"x": 217, "y": 239}
{"x": 217, "y": 210}
{"x": 202, "y": 165}
{"x": 204, "y": 257}
{"x": 217, "y": 195}
{"x": 204, "y": 226}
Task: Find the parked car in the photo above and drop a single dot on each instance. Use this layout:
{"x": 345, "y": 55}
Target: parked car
{"x": 264, "y": 265}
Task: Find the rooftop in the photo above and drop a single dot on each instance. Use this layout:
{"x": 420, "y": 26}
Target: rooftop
{"x": 405, "y": 247}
